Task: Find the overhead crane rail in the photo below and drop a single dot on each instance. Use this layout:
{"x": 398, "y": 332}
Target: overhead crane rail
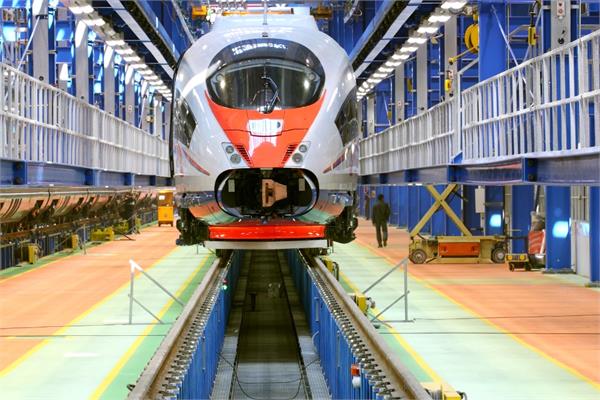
{"x": 349, "y": 347}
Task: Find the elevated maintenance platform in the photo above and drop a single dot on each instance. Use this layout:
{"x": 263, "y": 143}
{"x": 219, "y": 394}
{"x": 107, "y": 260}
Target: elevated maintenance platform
{"x": 487, "y": 331}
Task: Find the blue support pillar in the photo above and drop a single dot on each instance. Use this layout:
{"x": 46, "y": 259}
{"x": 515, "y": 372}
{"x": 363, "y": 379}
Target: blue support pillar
{"x": 92, "y": 177}
{"x": 129, "y": 179}
{"x": 522, "y": 206}
{"x": 394, "y": 202}
{"x": 492, "y": 47}
{"x": 595, "y": 235}
{"x": 494, "y": 210}
{"x": 413, "y": 206}
{"x": 404, "y": 210}
{"x": 558, "y": 230}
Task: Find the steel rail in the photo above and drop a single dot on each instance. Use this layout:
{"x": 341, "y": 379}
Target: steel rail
{"x": 160, "y": 377}
{"x": 395, "y": 379}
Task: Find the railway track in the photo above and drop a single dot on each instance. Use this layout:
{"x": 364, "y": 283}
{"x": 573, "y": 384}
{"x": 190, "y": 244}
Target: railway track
{"x": 266, "y": 351}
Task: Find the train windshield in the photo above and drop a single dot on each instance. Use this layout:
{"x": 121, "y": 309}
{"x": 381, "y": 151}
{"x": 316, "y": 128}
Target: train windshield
{"x": 265, "y": 74}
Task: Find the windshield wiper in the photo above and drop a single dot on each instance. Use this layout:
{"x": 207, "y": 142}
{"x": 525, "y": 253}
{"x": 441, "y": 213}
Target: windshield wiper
{"x": 270, "y": 104}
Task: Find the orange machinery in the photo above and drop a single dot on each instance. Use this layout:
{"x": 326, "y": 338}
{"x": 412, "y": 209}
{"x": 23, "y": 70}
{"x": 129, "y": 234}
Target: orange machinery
{"x": 166, "y": 213}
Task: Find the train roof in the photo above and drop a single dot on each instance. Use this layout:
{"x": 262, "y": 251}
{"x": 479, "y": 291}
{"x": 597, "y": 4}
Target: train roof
{"x": 237, "y": 22}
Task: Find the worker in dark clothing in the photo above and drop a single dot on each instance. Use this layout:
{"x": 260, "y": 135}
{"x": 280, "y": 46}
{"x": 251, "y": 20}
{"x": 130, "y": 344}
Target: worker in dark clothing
{"x": 381, "y": 214}
{"x": 367, "y": 206}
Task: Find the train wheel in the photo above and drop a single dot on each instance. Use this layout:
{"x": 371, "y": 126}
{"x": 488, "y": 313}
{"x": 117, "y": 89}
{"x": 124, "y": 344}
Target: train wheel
{"x": 418, "y": 256}
{"x": 498, "y": 255}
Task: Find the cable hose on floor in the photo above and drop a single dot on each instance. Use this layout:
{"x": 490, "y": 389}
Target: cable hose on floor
{"x": 239, "y": 383}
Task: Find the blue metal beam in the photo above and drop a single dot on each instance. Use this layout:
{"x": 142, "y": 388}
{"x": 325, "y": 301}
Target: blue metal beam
{"x": 576, "y": 168}
{"x": 595, "y": 235}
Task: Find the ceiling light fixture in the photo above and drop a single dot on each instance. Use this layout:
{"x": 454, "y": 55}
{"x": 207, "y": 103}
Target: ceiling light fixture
{"x": 416, "y": 39}
{"x": 428, "y": 29}
{"x": 408, "y": 49}
{"x": 439, "y": 18}
{"x": 115, "y": 42}
{"x": 453, "y": 5}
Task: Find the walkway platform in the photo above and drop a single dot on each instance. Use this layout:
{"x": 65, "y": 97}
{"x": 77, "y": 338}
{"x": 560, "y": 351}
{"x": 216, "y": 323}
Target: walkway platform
{"x": 64, "y": 329}
{"x": 484, "y": 330}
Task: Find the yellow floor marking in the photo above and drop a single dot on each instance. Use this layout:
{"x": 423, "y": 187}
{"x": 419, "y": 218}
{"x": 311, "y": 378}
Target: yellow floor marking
{"x": 61, "y": 331}
{"x": 548, "y": 357}
{"x": 125, "y": 357}
{"x": 407, "y": 347}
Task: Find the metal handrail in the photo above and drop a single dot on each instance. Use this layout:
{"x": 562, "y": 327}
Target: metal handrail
{"x": 544, "y": 104}
{"x": 42, "y": 123}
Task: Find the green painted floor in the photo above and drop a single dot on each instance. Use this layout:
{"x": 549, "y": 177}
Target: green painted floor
{"x": 102, "y": 353}
{"x": 446, "y": 343}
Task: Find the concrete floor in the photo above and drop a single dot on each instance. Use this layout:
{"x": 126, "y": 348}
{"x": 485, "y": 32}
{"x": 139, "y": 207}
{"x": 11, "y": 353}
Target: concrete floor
{"x": 484, "y": 330}
{"x": 489, "y": 332}
{"x": 64, "y": 325}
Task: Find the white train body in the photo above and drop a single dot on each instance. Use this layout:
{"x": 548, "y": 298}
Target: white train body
{"x": 264, "y": 131}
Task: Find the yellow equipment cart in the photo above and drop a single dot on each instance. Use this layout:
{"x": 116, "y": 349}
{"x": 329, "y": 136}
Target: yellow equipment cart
{"x": 166, "y": 213}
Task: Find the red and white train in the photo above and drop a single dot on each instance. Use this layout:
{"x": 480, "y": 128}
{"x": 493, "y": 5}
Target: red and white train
{"x": 264, "y": 133}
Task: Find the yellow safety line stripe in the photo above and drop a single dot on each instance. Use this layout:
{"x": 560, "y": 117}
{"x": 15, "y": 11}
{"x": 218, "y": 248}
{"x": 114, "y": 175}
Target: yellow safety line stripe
{"x": 522, "y": 342}
{"x": 46, "y": 341}
{"x": 129, "y": 353}
{"x": 403, "y": 343}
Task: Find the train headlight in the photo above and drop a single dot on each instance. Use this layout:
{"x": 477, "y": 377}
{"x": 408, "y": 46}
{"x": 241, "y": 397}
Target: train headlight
{"x": 235, "y": 158}
{"x": 303, "y": 148}
{"x": 229, "y": 149}
{"x": 297, "y": 158}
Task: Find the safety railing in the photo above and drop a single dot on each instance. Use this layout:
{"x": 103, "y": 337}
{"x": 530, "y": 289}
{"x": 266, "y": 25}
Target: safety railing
{"x": 425, "y": 140}
{"x": 41, "y": 123}
{"x": 547, "y": 103}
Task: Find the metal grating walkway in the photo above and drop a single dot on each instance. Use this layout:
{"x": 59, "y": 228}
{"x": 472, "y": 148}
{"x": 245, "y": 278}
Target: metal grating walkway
{"x": 267, "y": 342}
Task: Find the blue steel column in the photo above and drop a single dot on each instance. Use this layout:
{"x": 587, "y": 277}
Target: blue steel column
{"x": 404, "y": 210}
{"x": 558, "y": 230}
{"x": 493, "y": 60}
{"x": 413, "y": 206}
{"x": 595, "y": 235}
{"x": 522, "y": 206}
{"x": 558, "y": 199}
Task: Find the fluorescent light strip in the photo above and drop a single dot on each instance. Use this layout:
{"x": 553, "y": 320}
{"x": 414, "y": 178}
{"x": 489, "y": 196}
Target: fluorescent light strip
{"x": 439, "y": 18}
{"x": 454, "y": 5}
{"x": 416, "y": 39}
{"x": 428, "y": 29}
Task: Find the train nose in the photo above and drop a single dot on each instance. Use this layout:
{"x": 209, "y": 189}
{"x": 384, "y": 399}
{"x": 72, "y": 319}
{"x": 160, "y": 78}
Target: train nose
{"x": 272, "y": 192}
